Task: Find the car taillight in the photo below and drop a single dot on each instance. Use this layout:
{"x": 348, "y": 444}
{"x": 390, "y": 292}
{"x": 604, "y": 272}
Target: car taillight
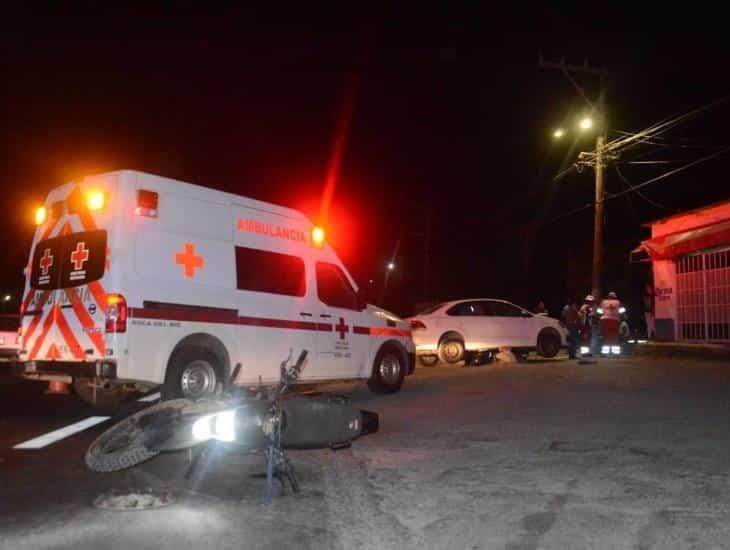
{"x": 116, "y": 313}
{"x": 417, "y": 325}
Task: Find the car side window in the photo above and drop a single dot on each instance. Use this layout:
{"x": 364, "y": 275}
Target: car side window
{"x": 506, "y": 310}
{"x": 466, "y": 309}
{"x": 333, "y": 287}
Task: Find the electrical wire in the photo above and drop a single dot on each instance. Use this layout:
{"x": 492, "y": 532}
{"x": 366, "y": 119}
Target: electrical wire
{"x": 644, "y": 184}
{"x": 661, "y": 127}
{"x": 647, "y": 199}
{"x": 670, "y": 173}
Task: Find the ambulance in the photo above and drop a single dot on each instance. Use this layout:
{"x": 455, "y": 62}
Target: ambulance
{"x": 136, "y": 280}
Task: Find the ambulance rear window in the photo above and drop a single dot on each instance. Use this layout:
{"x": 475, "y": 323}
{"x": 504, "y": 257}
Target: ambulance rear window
{"x": 68, "y": 261}
{"x": 270, "y": 272}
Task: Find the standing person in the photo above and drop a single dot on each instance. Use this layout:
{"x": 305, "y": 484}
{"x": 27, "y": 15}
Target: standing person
{"x": 586, "y": 324}
{"x": 610, "y": 312}
{"x": 571, "y": 317}
{"x": 648, "y": 298}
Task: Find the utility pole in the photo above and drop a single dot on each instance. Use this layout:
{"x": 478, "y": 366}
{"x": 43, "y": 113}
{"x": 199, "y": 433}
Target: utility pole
{"x": 598, "y": 158}
{"x": 599, "y": 167}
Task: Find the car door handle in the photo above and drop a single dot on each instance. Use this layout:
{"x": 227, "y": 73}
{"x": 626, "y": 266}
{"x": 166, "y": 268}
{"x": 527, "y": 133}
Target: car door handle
{"x": 305, "y": 314}
{"x": 326, "y": 316}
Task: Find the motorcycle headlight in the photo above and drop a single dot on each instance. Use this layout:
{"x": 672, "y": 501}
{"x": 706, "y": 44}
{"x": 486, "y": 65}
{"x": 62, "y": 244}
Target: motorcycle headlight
{"x": 220, "y": 426}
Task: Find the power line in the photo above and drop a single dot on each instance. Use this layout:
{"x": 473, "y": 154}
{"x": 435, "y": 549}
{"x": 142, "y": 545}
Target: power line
{"x": 644, "y": 184}
{"x": 670, "y": 173}
{"x": 647, "y": 199}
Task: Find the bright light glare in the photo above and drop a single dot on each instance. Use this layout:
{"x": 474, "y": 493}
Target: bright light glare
{"x": 558, "y": 133}
{"x": 6, "y": 298}
{"x": 220, "y": 426}
{"x": 599, "y": 311}
{"x": 605, "y": 350}
{"x": 616, "y": 350}
{"x": 95, "y": 200}
{"x": 584, "y": 350}
{"x": 201, "y": 428}
{"x": 318, "y": 236}
{"x": 586, "y": 123}
{"x": 225, "y": 426}
{"x": 622, "y": 310}
{"x": 40, "y": 215}
{"x": 391, "y": 266}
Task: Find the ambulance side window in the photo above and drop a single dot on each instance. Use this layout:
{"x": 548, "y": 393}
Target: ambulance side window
{"x": 333, "y": 288}
{"x": 271, "y": 272}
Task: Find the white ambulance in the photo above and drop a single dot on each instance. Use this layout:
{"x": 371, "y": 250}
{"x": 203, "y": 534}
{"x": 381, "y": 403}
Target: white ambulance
{"x": 136, "y": 280}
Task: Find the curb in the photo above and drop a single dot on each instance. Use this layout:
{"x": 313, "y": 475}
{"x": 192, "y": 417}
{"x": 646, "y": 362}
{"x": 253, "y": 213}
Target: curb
{"x": 714, "y": 352}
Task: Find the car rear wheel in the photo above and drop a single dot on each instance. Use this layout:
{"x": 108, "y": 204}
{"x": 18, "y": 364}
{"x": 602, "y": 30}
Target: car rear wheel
{"x": 451, "y": 350}
{"x": 548, "y": 343}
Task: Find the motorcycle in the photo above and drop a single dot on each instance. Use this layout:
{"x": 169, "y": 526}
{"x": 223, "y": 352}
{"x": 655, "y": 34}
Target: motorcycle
{"x": 265, "y": 421}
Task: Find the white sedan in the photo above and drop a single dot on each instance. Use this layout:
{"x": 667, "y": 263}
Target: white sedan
{"x": 452, "y": 330}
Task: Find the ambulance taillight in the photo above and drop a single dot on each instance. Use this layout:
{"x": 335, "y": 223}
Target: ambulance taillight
{"x": 146, "y": 203}
{"x": 116, "y": 313}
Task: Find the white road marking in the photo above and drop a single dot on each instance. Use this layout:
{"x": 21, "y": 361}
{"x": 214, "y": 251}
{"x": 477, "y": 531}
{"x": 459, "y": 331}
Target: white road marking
{"x": 57, "y": 435}
{"x": 151, "y": 397}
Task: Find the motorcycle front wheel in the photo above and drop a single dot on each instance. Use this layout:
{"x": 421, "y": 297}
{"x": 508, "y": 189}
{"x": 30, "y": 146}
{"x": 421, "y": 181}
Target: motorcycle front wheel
{"x": 123, "y": 445}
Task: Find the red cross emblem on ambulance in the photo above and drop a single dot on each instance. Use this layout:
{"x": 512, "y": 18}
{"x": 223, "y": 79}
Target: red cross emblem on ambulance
{"x": 46, "y": 261}
{"x": 79, "y": 256}
{"x": 189, "y": 260}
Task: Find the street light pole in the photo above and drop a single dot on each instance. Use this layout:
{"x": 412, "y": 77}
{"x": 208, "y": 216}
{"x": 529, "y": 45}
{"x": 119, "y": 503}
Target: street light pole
{"x": 599, "y": 168}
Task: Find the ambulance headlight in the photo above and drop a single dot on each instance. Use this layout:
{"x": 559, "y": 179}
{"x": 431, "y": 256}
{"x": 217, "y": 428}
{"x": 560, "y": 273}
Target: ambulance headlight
{"x": 220, "y": 426}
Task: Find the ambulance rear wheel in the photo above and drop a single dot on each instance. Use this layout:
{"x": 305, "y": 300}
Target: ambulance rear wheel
{"x": 192, "y": 373}
{"x": 389, "y": 370}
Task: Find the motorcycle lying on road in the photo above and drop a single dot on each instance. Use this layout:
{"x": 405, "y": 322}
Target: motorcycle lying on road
{"x": 266, "y": 421}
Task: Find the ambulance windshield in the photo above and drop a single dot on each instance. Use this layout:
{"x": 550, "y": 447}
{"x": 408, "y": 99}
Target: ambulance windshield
{"x": 68, "y": 261}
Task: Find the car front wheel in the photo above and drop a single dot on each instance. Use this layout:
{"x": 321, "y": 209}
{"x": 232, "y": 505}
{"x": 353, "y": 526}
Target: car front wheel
{"x": 548, "y": 343}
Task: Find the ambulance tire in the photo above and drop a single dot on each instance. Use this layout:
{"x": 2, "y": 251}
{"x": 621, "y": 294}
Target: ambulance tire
{"x": 181, "y": 359}
{"x": 389, "y": 370}
{"x": 548, "y": 343}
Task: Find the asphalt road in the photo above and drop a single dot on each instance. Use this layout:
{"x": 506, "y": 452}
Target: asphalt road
{"x": 629, "y": 453}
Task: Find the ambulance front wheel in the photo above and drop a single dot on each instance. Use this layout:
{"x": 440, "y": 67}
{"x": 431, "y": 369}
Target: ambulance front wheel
{"x": 389, "y": 370}
{"x": 192, "y": 373}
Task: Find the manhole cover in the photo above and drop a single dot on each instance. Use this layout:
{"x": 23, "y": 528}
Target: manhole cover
{"x": 580, "y": 446}
{"x": 123, "y": 501}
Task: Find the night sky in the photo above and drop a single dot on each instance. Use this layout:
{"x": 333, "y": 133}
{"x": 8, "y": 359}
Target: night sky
{"x": 449, "y": 136}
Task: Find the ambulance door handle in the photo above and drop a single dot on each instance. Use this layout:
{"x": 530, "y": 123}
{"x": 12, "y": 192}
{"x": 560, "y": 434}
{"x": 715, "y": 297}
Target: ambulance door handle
{"x": 326, "y": 316}
{"x": 305, "y": 314}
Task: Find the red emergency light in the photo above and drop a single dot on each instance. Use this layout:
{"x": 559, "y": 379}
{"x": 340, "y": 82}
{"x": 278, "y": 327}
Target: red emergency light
{"x": 146, "y": 203}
